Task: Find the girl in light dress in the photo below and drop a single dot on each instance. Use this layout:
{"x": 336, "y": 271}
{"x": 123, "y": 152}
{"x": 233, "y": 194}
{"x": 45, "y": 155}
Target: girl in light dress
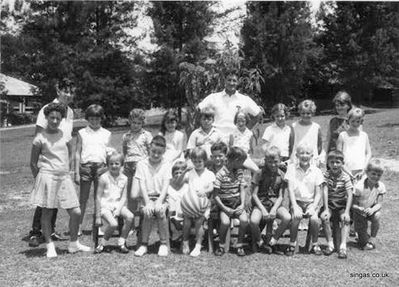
{"x": 175, "y": 139}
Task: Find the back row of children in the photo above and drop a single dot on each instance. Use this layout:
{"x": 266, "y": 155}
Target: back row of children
{"x": 147, "y": 170}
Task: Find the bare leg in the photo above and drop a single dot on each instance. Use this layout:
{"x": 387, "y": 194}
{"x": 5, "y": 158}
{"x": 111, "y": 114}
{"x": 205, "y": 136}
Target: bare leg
{"x": 84, "y": 197}
{"x": 243, "y": 228}
{"x": 46, "y": 216}
{"x": 224, "y": 226}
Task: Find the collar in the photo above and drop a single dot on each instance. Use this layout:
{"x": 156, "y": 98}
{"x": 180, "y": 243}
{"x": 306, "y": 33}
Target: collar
{"x": 138, "y": 133}
{"x": 366, "y": 185}
{"x": 225, "y": 94}
{"x": 298, "y": 166}
{"x": 213, "y": 129}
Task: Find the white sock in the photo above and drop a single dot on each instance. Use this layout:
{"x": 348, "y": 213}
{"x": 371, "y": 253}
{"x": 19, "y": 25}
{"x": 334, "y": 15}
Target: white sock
{"x": 331, "y": 244}
{"x": 121, "y": 241}
{"x": 273, "y": 241}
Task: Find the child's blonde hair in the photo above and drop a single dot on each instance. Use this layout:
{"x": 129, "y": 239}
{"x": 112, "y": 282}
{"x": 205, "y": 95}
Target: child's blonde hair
{"x": 279, "y": 107}
{"x": 179, "y": 165}
{"x": 272, "y": 151}
{"x": 198, "y": 153}
{"x": 115, "y": 155}
{"x": 307, "y": 105}
{"x": 207, "y": 112}
{"x": 241, "y": 112}
{"x": 137, "y": 114}
{"x": 304, "y": 147}
{"x": 375, "y": 165}
{"x": 343, "y": 97}
{"x": 356, "y": 113}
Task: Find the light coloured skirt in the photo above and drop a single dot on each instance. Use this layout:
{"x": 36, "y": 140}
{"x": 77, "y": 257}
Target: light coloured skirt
{"x": 54, "y": 191}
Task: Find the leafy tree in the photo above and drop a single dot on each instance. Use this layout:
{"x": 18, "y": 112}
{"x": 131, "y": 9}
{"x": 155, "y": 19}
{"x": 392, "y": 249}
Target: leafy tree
{"x": 278, "y": 40}
{"x": 361, "y": 45}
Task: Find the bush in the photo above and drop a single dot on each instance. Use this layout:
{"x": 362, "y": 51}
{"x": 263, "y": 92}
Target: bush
{"x": 16, "y": 119}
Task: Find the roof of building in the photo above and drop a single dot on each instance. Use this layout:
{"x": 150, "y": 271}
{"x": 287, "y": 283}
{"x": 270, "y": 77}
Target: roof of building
{"x": 15, "y": 87}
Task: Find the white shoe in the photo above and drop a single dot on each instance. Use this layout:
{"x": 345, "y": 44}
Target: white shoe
{"x": 74, "y": 247}
{"x": 100, "y": 232}
{"x": 186, "y": 248}
{"x": 141, "y": 251}
{"x": 51, "y": 253}
{"x": 196, "y": 251}
{"x": 163, "y": 250}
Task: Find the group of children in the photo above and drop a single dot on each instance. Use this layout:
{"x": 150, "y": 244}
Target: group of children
{"x": 163, "y": 179}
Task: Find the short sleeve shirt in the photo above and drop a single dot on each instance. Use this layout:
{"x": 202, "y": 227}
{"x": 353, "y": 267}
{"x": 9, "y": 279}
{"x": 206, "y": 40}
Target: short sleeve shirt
{"x": 338, "y": 187}
{"x": 307, "y": 135}
{"x": 137, "y": 145}
{"x": 228, "y": 183}
{"x": 269, "y": 185}
{"x": 366, "y": 196}
{"x": 66, "y": 124}
{"x": 199, "y": 138}
{"x": 279, "y": 137}
{"x": 242, "y": 139}
{"x": 154, "y": 178}
{"x": 94, "y": 144}
{"x": 200, "y": 182}
{"x": 304, "y": 182}
{"x": 54, "y": 156}
{"x": 226, "y": 107}
{"x": 175, "y": 144}
{"x": 113, "y": 189}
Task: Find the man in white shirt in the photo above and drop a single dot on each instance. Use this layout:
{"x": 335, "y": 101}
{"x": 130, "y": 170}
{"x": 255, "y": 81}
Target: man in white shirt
{"x": 227, "y": 103}
{"x": 65, "y": 96}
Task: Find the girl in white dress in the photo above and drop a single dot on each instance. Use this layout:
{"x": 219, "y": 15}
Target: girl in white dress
{"x": 175, "y": 140}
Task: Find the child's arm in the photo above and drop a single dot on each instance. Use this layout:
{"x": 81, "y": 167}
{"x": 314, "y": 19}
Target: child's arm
{"x": 70, "y": 154}
{"x": 231, "y": 140}
{"x": 97, "y": 206}
{"x": 161, "y": 199}
{"x": 319, "y": 142}
{"x": 325, "y": 215}
{"x": 219, "y": 202}
{"x": 368, "y": 152}
{"x": 376, "y": 207}
{"x": 122, "y": 201}
{"x": 258, "y": 203}
{"x": 346, "y": 216}
{"x": 277, "y": 204}
{"x": 252, "y": 144}
{"x": 240, "y": 209}
{"x": 124, "y": 146}
{"x": 340, "y": 142}
{"x": 78, "y": 153}
{"x": 328, "y": 137}
{"x": 34, "y": 158}
{"x": 313, "y": 207}
{"x": 295, "y": 209}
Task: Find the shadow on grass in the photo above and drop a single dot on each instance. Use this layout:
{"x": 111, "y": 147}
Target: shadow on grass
{"x": 388, "y": 125}
{"x": 35, "y": 252}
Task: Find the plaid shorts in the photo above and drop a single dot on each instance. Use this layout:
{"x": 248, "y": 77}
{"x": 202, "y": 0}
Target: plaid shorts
{"x": 91, "y": 171}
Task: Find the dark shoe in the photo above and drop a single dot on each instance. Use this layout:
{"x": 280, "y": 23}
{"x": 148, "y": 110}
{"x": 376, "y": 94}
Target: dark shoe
{"x": 268, "y": 249}
{"x": 328, "y": 251}
{"x": 290, "y": 251}
{"x": 342, "y": 254}
{"x": 123, "y": 249}
{"x": 220, "y": 251}
{"x": 240, "y": 251}
{"x": 316, "y": 250}
{"x": 34, "y": 241}
{"x": 58, "y": 237}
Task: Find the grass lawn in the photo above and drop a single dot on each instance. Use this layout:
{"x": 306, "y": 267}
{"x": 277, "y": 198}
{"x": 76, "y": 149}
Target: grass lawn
{"x": 21, "y": 265}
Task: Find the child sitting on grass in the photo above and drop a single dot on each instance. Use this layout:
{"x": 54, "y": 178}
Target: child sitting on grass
{"x": 176, "y": 190}
{"x": 152, "y": 181}
{"x": 337, "y": 197}
{"x": 304, "y": 187}
{"x": 269, "y": 187}
{"x": 51, "y": 164}
{"x": 368, "y": 194}
{"x": 195, "y": 203}
{"x": 229, "y": 191}
{"x": 111, "y": 203}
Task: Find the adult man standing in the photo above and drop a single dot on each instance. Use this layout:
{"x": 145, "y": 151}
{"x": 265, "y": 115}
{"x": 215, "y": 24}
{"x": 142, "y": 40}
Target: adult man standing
{"x": 65, "y": 96}
{"x": 227, "y": 103}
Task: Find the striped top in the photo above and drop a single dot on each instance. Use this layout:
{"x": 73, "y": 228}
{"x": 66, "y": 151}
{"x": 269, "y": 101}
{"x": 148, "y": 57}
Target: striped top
{"x": 227, "y": 183}
{"x": 338, "y": 188}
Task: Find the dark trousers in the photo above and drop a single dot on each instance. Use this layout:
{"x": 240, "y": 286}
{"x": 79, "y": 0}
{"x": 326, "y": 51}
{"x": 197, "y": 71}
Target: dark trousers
{"x": 36, "y": 224}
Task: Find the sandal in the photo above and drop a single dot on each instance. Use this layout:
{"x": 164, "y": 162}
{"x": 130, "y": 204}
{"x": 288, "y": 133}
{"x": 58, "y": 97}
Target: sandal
{"x": 220, "y": 251}
{"x": 342, "y": 254}
{"x": 328, "y": 251}
{"x": 290, "y": 251}
{"x": 240, "y": 251}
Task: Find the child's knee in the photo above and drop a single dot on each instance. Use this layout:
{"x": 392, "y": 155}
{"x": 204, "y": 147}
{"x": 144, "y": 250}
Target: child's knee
{"x": 376, "y": 216}
{"x": 129, "y": 217}
{"x": 75, "y": 212}
{"x": 314, "y": 220}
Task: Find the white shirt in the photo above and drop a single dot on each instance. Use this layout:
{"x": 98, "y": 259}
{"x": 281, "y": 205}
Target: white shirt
{"x": 307, "y": 135}
{"x": 199, "y": 138}
{"x": 354, "y": 150}
{"x": 226, "y": 107}
{"x": 175, "y": 143}
{"x": 174, "y": 200}
{"x": 242, "y": 139}
{"x": 66, "y": 124}
{"x": 94, "y": 144}
{"x": 304, "y": 182}
{"x": 200, "y": 182}
{"x": 279, "y": 137}
{"x": 113, "y": 190}
{"x": 367, "y": 197}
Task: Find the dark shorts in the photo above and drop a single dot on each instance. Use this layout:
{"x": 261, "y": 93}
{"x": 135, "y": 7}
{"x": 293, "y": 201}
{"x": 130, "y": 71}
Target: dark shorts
{"x": 267, "y": 203}
{"x": 232, "y": 202}
{"x": 129, "y": 169}
{"x": 91, "y": 171}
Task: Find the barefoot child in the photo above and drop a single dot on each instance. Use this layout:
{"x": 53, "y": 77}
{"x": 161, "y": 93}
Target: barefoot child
{"x": 175, "y": 139}
{"x": 90, "y": 157}
{"x": 337, "y": 203}
{"x": 368, "y": 194}
{"x": 304, "y": 188}
{"x": 269, "y": 187}
{"x": 135, "y": 145}
{"x": 111, "y": 203}
{"x": 152, "y": 180}
{"x": 229, "y": 191}
{"x": 51, "y": 162}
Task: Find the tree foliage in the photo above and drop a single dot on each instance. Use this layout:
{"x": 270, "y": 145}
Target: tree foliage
{"x": 361, "y": 45}
{"x": 278, "y": 40}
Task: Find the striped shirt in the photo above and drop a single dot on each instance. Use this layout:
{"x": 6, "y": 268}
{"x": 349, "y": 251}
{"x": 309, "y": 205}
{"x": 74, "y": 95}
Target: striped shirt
{"x": 227, "y": 183}
{"x": 338, "y": 187}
